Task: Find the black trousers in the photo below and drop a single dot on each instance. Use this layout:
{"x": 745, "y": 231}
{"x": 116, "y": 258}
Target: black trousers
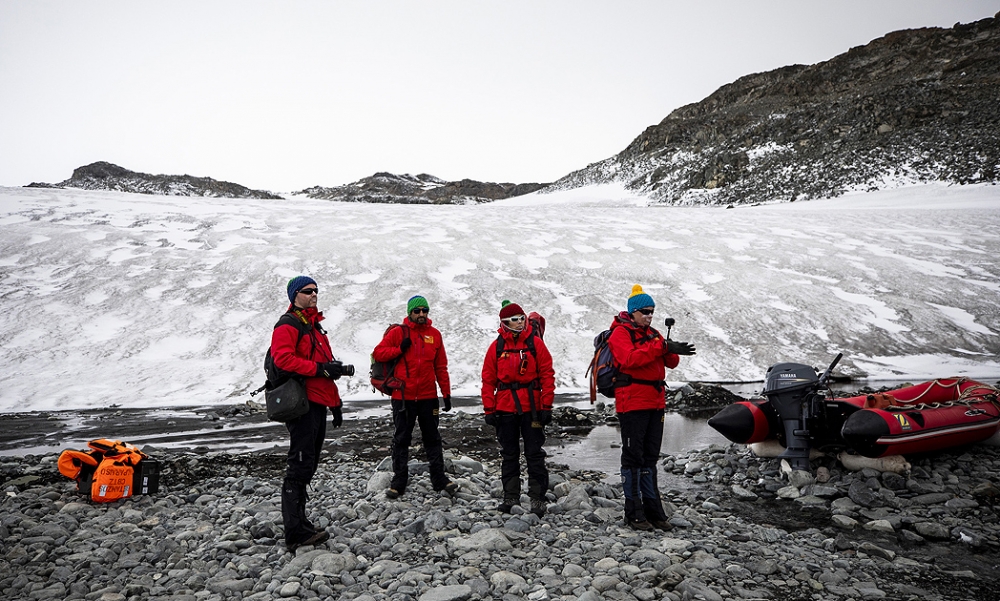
{"x": 307, "y": 434}
{"x": 511, "y": 430}
{"x": 406, "y": 414}
{"x": 642, "y": 434}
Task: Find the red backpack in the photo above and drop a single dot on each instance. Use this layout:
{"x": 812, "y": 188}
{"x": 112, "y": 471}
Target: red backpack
{"x": 382, "y": 372}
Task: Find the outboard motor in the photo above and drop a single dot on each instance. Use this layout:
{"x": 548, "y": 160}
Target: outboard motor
{"x": 791, "y": 388}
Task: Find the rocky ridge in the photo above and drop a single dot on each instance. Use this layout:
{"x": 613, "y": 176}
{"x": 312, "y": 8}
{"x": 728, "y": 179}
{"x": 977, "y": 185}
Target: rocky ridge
{"x": 912, "y": 106}
{"x": 419, "y": 189}
{"x": 107, "y": 176}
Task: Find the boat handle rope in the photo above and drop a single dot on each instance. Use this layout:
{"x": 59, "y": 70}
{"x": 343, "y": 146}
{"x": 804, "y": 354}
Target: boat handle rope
{"x": 991, "y": 394}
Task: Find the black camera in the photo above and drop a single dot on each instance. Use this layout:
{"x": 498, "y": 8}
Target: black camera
{"x": 669, "y": 322}
{"x": 347, "y": 369}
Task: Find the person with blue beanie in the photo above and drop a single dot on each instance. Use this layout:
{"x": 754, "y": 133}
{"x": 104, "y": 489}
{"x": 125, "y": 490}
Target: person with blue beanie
{"x": 299, "y": 345}
{"x": 642, "y": 356}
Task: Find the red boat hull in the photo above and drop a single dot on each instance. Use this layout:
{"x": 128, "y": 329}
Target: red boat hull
{"x": 927, "y": 417}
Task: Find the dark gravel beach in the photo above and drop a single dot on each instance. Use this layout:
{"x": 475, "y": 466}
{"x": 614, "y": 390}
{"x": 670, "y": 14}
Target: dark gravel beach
{"x": 742, "y": 527}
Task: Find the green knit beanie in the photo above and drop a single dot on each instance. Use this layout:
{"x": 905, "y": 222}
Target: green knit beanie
{"x": 416, "y": 301}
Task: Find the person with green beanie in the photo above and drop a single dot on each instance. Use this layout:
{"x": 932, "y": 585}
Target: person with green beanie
{"x": 422, "y": 368}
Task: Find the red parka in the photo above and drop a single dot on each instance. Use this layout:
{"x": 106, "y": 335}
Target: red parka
{"x": 314, "y": 348}
{"x": 641, "y": 354}
{"x": 424, "y": 366}
{"x": 507, "y": 369}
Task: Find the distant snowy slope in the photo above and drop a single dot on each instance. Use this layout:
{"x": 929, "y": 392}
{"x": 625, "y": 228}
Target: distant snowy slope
{"x": 114, "y": 298}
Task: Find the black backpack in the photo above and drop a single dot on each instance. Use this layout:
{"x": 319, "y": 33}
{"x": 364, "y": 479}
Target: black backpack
{"x": 381, "y": 373}
{"x": 275, "y": 375}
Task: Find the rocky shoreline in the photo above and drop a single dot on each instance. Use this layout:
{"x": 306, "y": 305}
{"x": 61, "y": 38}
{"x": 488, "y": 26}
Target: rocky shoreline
{"x": 742, "y": 529}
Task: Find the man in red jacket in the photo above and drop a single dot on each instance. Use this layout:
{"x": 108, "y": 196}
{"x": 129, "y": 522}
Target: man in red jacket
{"x": 518, "y": 389}
{"x": 304, "y": 349}
{"x": 642, "y": 356}
{"x": 422, "y": 368}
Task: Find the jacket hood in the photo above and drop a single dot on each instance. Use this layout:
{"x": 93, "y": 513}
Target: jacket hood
{"x": 416, "y": 326}
{"x": 624, "y": 320}
{"x": 508, "y": 334}
{"x": 313, "y": 314}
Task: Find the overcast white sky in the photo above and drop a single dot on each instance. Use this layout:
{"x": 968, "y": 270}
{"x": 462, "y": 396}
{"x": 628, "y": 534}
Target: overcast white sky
{"x": 290, "y": 94}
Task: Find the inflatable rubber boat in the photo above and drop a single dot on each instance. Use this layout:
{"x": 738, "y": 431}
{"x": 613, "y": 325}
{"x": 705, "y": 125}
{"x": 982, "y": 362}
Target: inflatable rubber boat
{"x": 796, "y": 410}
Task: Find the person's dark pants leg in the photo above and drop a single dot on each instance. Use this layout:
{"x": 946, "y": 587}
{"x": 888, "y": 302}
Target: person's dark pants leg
{"x": 428, "y": 418}
{"x": 648, "y": 486}
{"x": 306, "y": 435}
{"x": 634, "y": 426}
{"x": 534, "y": 457}
{"x": 404, "y": 416}
{"x": 509, "y": 437}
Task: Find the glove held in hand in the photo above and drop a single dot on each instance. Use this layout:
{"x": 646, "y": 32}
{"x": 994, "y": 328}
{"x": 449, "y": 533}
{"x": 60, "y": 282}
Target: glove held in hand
{"x": 680, "y": 348}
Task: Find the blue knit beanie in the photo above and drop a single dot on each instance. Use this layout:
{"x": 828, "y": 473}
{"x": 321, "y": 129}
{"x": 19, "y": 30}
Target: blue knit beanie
{"x": 639, "y": 299}
{"x": 298, "y": 283}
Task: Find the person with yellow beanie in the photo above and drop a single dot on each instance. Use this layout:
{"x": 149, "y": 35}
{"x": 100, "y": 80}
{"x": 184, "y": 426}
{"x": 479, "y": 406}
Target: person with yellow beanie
{"x": 642, "y": 356}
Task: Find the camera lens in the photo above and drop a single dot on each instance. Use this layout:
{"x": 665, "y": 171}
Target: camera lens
{"x": 347, "y": 370}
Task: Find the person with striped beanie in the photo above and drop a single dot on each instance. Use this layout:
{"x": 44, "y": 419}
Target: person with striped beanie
{"x": 642, "y": 355}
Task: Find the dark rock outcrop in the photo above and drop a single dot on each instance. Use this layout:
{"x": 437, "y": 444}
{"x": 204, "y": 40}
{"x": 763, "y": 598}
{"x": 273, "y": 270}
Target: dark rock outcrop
{"x": 914, "y": 105}
{"x": 420, "y": 189}
{"x": 107, "y": 176}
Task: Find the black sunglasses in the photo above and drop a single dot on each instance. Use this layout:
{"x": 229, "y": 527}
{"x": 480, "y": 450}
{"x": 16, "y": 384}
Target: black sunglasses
{"x": 646, "y": 311}
{"x": 309, "y": 291}
{"x": 421, "y": 310}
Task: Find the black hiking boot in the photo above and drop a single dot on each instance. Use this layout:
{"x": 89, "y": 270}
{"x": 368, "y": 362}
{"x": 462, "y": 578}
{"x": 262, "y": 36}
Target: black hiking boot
{"x": 538, "y": 507}
{"x": 508, "y": 505}
{"x": 314, "y": 539}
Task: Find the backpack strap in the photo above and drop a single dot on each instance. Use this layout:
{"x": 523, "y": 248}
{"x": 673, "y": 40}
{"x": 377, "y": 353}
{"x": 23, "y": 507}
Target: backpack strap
{"x": 529, "y": 342}
{"x": 301, "y": 326}
{"x": 513, "y": 387}
{"x": 406, "y": 366}
{"x": 626, "y": 380}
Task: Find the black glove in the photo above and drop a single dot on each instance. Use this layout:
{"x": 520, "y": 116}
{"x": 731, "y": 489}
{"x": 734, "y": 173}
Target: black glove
{"x": 405, "y": 344}
{"x": 680, "y": 348}
{"x": 545, "y": 417}
{"x": 491, "y": 419}
{"x": 338, "y": 416}
{"x": 332, "y": 370}
{"x": 446, "y": 399}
